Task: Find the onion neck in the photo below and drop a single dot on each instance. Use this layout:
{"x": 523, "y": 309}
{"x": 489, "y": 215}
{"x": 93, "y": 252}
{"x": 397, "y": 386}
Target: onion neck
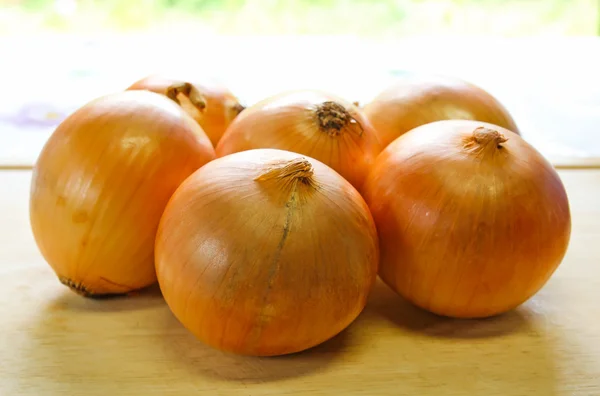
{"x": 289, "y": 173}
{"x": 334, "y": 119}
{"x": 485, "y": 141}
{"x": 233, "y": 109}
{"x": 237, "y": 108}
{"x": 189, "y": 91}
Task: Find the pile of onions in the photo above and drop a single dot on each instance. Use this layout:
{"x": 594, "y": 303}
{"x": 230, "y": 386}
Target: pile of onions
{"x": 472, "y": 220}
{"x": 266, "y": 252}
{"x": 419, "y": 99}
{"x": 100, "y": 186}
{"x": 212, "y": 105}
{"x": 316, "y": 124}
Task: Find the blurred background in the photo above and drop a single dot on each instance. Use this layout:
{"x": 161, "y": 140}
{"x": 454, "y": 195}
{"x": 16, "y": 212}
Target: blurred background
{"x": 355, "y": 17}
{"x": 540, "y": 58}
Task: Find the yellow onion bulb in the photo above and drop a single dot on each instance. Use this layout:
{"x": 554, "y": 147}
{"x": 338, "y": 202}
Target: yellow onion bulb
{"x": 100, "y": 186}
{"x": 472, "y": 220}
{"x": 312, "y": 123}
{"x": 266, "y": 252}
{"x": 211, "y": 104}
{"x": 419, "y": 99}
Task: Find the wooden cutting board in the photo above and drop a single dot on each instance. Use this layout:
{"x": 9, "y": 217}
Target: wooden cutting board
{"x": 54, "y": 342}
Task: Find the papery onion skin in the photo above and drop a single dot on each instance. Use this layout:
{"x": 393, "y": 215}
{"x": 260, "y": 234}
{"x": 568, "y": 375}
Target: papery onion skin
{"x": 216, "y": 105}
{"x": 266, "y": 252}
{"x": 100, "y": 186}
{"x": 313, "y": 123}
{"x": 470, "y": 224}
{"x": 419, "y": 99}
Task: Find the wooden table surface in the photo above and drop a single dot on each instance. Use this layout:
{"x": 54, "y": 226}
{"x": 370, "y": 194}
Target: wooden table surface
{"x": 54, "y": 342}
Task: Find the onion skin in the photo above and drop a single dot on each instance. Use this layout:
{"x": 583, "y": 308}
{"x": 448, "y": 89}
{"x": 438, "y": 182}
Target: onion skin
{"x": 312, "y": 123}
{"x": 212, "y": 105}
{"x": 472, "y": 220}
{"x": 100, "y": 186}
{"x": 266, "y": 252}
{"x": 420, "y": 99}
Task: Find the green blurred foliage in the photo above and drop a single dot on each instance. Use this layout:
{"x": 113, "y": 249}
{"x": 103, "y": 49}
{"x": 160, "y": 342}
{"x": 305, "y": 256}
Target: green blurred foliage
{"x": 359, "y": 17}
{"x": 200, "y": 5}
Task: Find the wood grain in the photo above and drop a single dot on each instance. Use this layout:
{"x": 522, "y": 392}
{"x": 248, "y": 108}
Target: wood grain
{"x": 57, "y": 343}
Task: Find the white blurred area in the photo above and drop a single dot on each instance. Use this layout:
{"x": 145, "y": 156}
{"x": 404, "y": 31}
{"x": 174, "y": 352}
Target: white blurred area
{"x": 548, "y": 82}
{"x": 65, "y": 8}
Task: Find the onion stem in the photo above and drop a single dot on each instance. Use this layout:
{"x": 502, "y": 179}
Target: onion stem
{"x": 296, "y": 170}
{"x": 236, "y": 108}
{"x": 484, "y": 141}
{"x": 333, "y": 118}
{"x": 189, "y": 91}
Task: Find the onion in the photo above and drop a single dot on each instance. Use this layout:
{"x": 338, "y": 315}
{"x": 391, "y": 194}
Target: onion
{"x": 101, "y": 184}
{"x": 420, "y": 99}
{"x": 212, "y": 105}
{"x": 472, "y": 220}
{"x": 266, "y": 252}
{"x": 316, "y": 124}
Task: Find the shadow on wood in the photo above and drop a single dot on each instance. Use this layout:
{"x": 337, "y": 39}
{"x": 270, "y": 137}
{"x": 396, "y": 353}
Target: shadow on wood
{"x": 386, "y": 304}
{"x": 138, "y": 300}
{"x": 194, "y": 356}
